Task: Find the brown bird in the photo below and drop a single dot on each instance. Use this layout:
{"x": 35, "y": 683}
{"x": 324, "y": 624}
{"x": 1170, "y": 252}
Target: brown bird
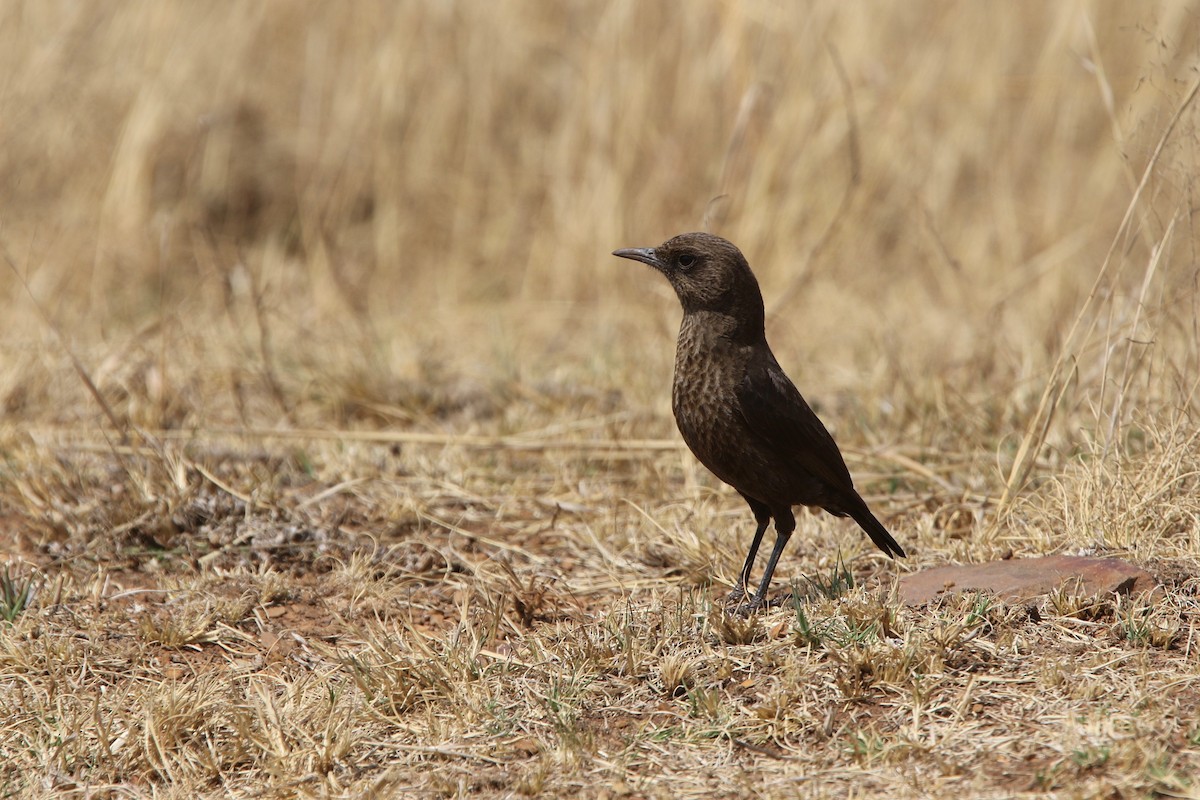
{"x": 737, "y": 410}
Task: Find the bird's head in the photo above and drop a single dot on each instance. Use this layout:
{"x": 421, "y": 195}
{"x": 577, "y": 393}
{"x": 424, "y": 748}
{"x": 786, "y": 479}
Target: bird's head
{"x": 708, "y": 273}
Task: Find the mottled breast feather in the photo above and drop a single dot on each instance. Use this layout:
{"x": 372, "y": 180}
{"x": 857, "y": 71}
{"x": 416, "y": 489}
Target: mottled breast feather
{"x": 709, "y": 366}
{"x": 748, "y": 424}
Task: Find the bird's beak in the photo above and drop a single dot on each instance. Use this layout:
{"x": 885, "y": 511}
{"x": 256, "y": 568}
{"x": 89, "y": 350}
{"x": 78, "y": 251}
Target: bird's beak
{"x": 644, "y": 254}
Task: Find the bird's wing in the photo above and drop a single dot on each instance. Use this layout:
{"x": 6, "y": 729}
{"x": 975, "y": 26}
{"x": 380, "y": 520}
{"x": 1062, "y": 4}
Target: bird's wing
{"x": 778, "y": 416}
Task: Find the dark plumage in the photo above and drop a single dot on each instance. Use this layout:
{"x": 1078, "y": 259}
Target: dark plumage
{"x": 737, "y": 410}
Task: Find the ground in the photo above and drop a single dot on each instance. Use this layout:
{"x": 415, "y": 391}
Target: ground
{"x": 336, "y": 453}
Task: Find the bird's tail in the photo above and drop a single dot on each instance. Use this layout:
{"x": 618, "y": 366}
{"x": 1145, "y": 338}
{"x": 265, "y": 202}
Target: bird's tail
{"x": 874, "y": 528}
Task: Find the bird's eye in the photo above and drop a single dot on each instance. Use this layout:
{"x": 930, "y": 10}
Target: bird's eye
{"x": 687, "y": 260}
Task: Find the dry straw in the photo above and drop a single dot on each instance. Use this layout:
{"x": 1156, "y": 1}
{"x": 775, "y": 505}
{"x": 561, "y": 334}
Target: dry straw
{"x": 336, "y": 455}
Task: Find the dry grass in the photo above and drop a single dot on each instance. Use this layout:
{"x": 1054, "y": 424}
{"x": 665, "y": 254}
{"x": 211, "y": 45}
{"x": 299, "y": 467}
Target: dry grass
{"x": 336, "y": 456}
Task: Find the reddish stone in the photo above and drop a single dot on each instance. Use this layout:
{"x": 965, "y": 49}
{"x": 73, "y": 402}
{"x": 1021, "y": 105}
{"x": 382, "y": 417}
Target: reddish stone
{"x": 1021, "y": 579}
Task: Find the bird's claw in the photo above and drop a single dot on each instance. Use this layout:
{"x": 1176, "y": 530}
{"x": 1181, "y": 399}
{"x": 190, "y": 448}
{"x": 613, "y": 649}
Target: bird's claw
{"x": 736, "y": 604}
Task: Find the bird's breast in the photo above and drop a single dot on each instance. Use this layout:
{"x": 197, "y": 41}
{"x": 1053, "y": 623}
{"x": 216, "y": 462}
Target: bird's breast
{"x": 707, "y": 372}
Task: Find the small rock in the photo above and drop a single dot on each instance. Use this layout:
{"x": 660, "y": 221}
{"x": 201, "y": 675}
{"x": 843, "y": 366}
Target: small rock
{"x": 1021, "y": 579}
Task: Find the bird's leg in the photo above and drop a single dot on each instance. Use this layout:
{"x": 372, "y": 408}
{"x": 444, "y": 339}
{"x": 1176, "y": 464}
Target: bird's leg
{"x": 785, "y": 523}
{"x": 762, "y": 515}
{"x": 739, "y": 590}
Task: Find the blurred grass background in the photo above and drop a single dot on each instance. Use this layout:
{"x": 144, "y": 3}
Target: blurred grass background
{"x": 322, "y": 213}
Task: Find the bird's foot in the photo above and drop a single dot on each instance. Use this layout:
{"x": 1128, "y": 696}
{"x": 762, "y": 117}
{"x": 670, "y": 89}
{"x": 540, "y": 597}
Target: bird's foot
{"x": 737, "y": 604}
{"x": 744, "y": 610}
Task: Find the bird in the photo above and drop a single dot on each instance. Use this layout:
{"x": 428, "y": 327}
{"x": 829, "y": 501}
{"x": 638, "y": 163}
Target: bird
{"x": 739, "y": 413}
